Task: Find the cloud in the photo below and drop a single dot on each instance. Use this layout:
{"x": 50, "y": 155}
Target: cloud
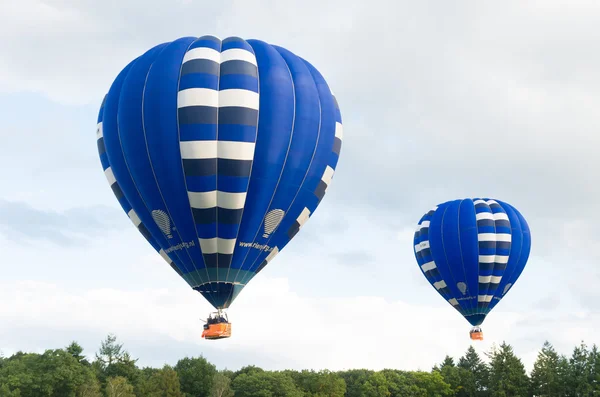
{"x": 22, "y": 223}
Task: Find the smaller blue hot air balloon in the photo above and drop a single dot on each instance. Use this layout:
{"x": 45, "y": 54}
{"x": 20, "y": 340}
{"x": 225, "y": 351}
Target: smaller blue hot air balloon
{"x": 472, "y": 251}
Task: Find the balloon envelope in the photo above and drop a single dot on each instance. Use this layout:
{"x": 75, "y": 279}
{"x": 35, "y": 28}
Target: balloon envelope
{"x": 219, "y": 151}
{"x": 472, "y": 252}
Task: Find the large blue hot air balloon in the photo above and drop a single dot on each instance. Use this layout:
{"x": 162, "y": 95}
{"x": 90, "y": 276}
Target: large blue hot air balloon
{"x": 219, "y": 151}
{"x": 472, "y": 252}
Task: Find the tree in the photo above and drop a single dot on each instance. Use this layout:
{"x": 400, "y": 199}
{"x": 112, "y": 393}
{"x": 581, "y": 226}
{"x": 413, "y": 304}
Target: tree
{"x": 507, "y": 373}
{"x": 76, "y": 351}
{"x": 316, "y": 384}
{"x": 354, "y": 379}
{"x": 376, "y": 386}
{"x": 221, "y": 386}
{"x": 474, "y": 374}
{"x": 594, "y": 370}
{"x": 195, "y": 376}
{"x": 113, "y": 361}
{"x": 545, "y": 377}
{"x": 578, "y": 379}
{"x": 6, "y": 392}
{"x": 90, "y": 389}
{"x": 119, "y": 386}
{"x": 110, "y": 351}
{"x": 265, "y": 384}
{"x": 165, "y": 383}
{"x": 432, "y": 384}
{"x": 450, "y": 373}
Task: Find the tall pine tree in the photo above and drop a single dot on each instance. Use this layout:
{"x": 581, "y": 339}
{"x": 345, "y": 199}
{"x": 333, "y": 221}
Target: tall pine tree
{"x": 475, "y": 374}
{"x": 507, "y": 373}
{"x": 546, "y": 377}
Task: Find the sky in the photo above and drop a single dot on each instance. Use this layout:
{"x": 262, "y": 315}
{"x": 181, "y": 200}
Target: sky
{"x": 439, "y": 101}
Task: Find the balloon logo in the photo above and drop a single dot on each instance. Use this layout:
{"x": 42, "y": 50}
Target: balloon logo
{"x": 219, "y": 151}
{"x": 163, "y": 222}
{"x": 272, "y": 220}
{"x": 472, "y": 251}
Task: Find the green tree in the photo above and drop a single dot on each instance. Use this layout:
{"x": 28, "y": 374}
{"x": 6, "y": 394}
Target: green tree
{"x": 474, "y": 374}
{"x": 376, "y": 386}
{"x": 433, "y": 384}
{"x": 113, "y": 361}
{"x": 53, "y": 373}
{"x": 594, "y": 370}
{"x": 354, "y": 379}
{"x": 195, "y": 376}
{"x": 451, "y": 374}
{"x": 221, "y": 386}
{"x": 578, "y": 379}
{"x": 143, "y": 385}
{"x": 545, "y": 377}
{"x": 76, "y": 351}
{"x": 6, "y": 392}
{"x": 119, "y": 386}
{"x": 507, "y": 373}
{"x": 316, "y": 384}
{"x": 165, "y": 383}
{"x": 91, "y": 388}
{"x": 265, "y": 384}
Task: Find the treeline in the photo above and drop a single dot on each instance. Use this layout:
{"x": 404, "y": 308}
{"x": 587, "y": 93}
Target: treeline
{"x": 114, "y": 373}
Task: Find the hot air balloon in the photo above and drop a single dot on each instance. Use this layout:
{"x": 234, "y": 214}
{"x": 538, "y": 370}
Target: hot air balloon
{"x": 219, "y": 151}
{"x": 472, "y": 251}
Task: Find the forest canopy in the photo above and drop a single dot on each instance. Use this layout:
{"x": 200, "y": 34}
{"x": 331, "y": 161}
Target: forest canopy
{"x": 113, "y": 372}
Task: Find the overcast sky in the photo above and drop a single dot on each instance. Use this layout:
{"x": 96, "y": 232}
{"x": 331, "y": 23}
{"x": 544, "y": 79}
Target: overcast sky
{"x": 439, "y": 101}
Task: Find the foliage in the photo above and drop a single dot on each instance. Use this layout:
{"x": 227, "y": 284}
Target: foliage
{"x": 67, "y": 372}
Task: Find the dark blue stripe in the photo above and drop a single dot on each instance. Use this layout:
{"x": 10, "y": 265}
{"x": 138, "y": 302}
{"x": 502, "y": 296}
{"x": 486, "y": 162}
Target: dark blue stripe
{"x": 199, "y": 80}
{"x": 204, "y": 66}
{"x": 198, "y": 132}
{"x": 199, "y": 167}
{"x": 205, "y": 216}
{"x": 101, "y": 147}
{"x": 239, "y": 67}
{"x": 320, "y": 190}
{"x": 239, "y": 81}
{"x": 198, "y": 115}
{"x": 503, "y": 246}
{"x": 236, "y": 42}
{"x": 487, "y": 245}
{"x": 117, "y": 190}
{"x": 226, "y": 167}
{"x": 486, "y": 223}
{"x": 503, "y": 224}
{"x": 224, "y": 231}
{"x": 237, "y": 115}
{"x": 227, "y": 216}
{"x": 237, "y": 132}
{"x": 337, "y": 146}
{"x": 201, "y": 183}
{"x": 210, "y": 260}
{"x": 217, "y": 260}
{"x": 485, "y": 269}
{"x": 224, "y": 260}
